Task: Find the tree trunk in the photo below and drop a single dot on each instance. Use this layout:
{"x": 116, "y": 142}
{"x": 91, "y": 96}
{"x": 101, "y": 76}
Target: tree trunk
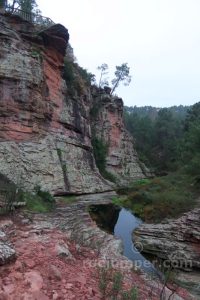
{"x": 114, "y": 87}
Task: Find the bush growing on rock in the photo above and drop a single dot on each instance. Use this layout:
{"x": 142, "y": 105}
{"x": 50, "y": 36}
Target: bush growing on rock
{"x": 100, "y": 153}
{"x": 76, "y": 77}
{"x": 46, "y": 196}
{"x": 41, "y": 201}
{"x": 10, "y": 195}
{"x": 111, "y": 285}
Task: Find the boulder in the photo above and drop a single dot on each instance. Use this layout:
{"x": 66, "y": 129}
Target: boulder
{"x": 7, "y": 253}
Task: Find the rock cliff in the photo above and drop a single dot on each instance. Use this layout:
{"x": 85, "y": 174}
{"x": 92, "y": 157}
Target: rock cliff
{"x": 108, "y": 125}
{"x": 45, "y": 131}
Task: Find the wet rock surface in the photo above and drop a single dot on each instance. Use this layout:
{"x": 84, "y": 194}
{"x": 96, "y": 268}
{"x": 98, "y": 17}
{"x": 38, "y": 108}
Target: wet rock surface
{"x": 40, "y": 272}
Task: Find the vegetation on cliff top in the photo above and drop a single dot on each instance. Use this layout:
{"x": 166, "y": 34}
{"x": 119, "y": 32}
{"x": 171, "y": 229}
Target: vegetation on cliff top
{"x": 28, "y": 6}
{"x": 76, "y": 77}
{"x": 121, "y": 75}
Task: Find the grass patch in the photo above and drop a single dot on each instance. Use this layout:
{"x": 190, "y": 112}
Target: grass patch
{"x": 117, "y": 200}
{"x": 161, "y": 197}
{"x": 41, "y": 202}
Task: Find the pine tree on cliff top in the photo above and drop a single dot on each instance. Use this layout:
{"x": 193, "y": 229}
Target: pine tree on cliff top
{"x": 121, "y": 75}
{"x": 28, "y": 6}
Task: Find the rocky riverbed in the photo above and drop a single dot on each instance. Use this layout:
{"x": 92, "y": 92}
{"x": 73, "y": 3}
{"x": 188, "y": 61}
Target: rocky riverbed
{"x": 57, "y": 256}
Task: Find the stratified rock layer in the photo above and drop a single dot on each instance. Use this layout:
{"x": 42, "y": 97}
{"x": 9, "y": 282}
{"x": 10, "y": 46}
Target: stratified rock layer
{"x": 177, "y": 241}
{"x": 45, "y": 131}
{"x": 108, "y": 124}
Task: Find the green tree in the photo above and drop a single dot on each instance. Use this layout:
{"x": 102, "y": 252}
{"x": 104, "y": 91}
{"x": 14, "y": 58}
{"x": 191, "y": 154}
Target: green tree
{"x": 168, "y": 131}
{"x": 142, "y": 129}
{"x": 157, "y": 134}
{"x": 28, "y": 6}
{"x": 121, "y": 75}
{"x": 103, "y": 71}
{"x": 190, "y": 146}
{"x": 192, "y": 115}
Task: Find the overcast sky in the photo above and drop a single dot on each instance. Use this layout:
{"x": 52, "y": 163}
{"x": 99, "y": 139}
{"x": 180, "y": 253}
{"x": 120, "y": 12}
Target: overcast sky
{"x": 159, "y": 39}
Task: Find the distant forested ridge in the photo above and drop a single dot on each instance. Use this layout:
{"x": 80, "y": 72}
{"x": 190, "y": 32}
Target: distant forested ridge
{"x": 152, "y": 112}
{"x": 166, "y": 139}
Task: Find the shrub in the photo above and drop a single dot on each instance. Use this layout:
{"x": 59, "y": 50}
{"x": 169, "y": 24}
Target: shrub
{"x": 193, "y": 168}
{"x": 8, "y": 198}
{"x": 100, "y": 150}
{"x": 68, "y": 72}
{"x": 163, "y": 197}
{"x": 45, "y": 195}
{"x": 88, "y": 77}
{"x": 40, "y": 202}
{"x": 9, "y": 195}
{"x": 76, "y": 77}
{"x": 109, "y": 176}
{"x": 117, "y": 284}
{"x": 111, "y": 285}
{"x": 130, "y": 295}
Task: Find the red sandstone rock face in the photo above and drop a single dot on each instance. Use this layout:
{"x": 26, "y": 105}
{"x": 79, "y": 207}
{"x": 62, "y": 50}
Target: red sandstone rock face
{"x": 44, "y": 133}
{"x": 27, "y": 97}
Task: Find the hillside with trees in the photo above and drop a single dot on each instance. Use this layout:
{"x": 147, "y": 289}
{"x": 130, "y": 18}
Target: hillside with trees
{"x": 159, "y": 133}
{"x": 168, "y": 141}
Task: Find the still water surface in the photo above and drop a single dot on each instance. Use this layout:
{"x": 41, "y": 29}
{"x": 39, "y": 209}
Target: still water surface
{"x": 121, "y": 223}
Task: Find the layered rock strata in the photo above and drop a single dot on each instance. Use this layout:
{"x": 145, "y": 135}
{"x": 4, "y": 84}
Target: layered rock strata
{"x": 122, "y": 159}
{"x": 177, "y": 241}
{"x": 45, "y": 131}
